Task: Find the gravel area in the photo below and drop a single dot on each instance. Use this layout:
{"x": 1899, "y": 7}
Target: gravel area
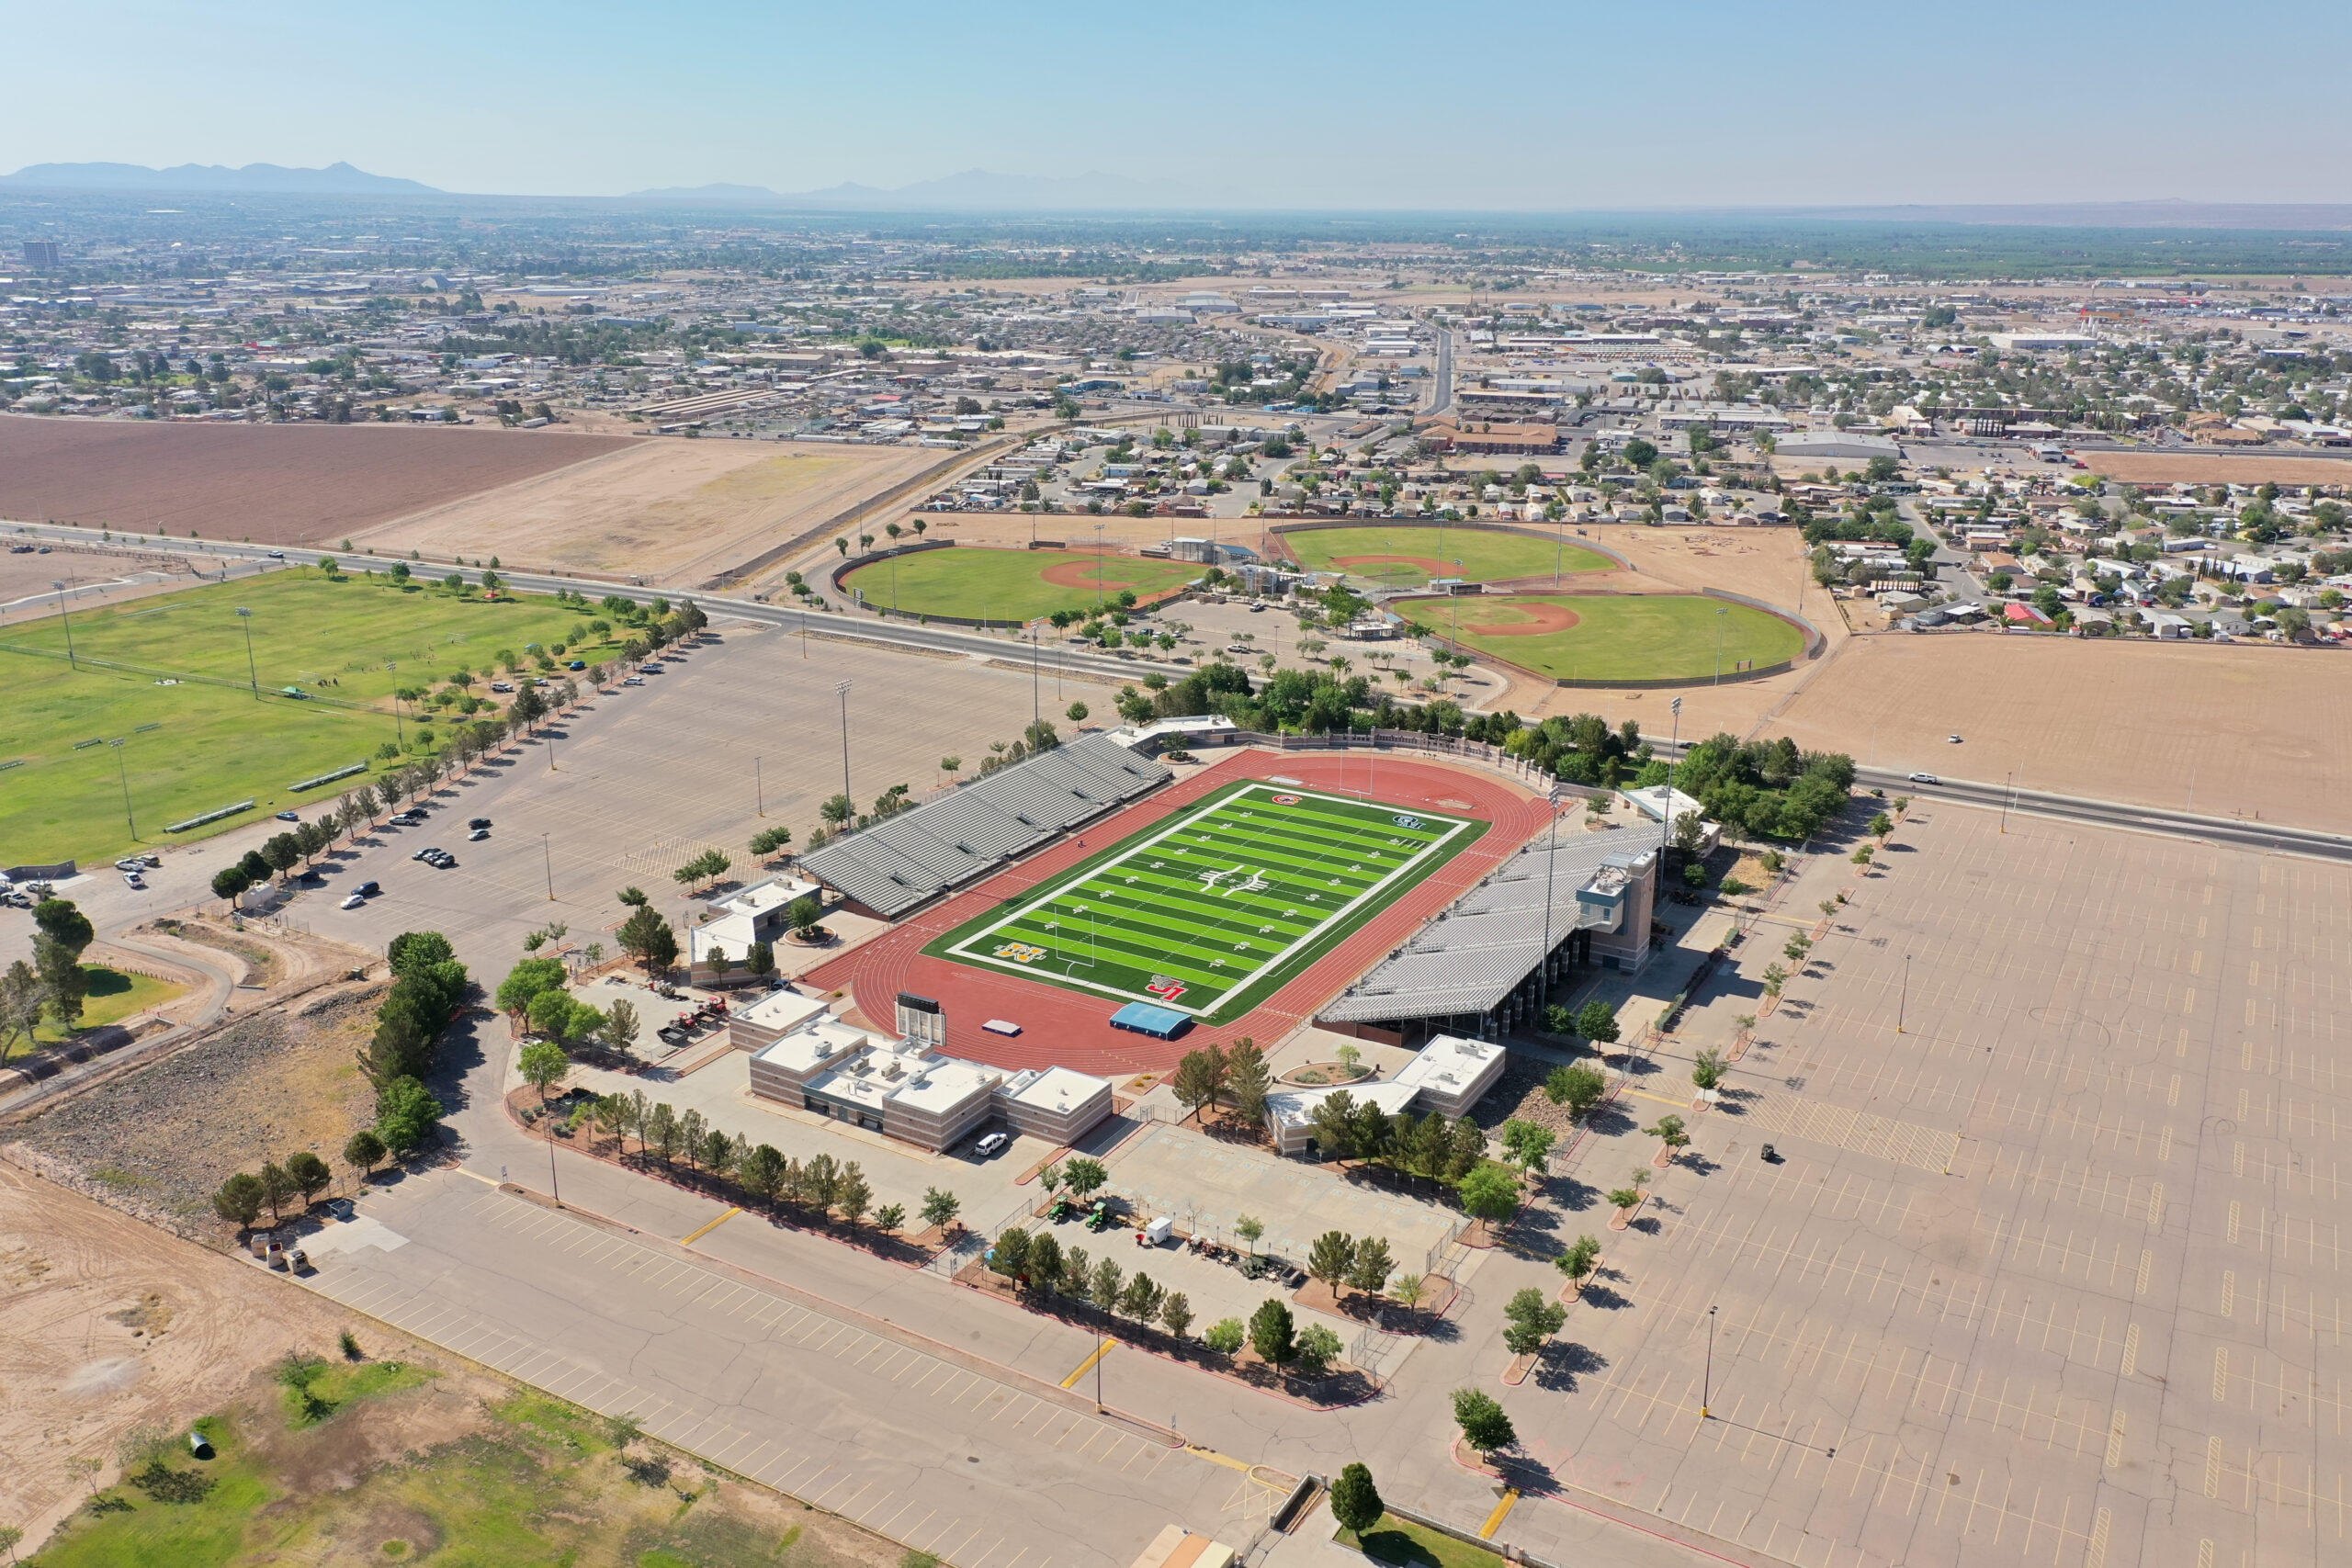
{"x": 165, "y": 1136}
{"x": 1519, "y": 1093}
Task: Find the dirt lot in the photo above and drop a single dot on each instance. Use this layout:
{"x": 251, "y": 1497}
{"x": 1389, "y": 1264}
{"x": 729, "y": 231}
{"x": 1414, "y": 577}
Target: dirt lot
{"x": 113, "y": 1338}
{"x": 2253, "y": 730}
{"x": 92, "y": 578}
{"x": 670, "y": 511}
{"x": 2191, "y": 469}
{"x": 280, "y": 484}
{"x": 162, "y": 1138}
{"x": 106, "y": 1325}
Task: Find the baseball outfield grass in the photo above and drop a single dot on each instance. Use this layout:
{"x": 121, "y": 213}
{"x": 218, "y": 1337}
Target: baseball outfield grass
{"x": 1009, "y": 585}
{"x": 1651, "y": 636}
{"x": 1410, "y": 555}
{"x": 168, "y": 676}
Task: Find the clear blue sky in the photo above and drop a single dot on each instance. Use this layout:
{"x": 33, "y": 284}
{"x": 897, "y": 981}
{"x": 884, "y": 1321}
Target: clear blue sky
{"x": 1568, "y": 104}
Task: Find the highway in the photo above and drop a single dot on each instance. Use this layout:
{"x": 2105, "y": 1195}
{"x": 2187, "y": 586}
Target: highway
{"x": 2231, "y": 831}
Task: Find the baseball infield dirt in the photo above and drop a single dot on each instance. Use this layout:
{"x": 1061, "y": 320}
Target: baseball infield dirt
{"x": 276, "y": 484}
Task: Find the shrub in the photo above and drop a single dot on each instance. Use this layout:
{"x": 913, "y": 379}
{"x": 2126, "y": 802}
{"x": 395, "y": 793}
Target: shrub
{"x": 1224, "y": 1335}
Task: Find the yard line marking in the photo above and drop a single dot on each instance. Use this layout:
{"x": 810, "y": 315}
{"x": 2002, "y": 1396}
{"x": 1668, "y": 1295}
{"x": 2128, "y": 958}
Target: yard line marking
{"x": 704, "y": 1231}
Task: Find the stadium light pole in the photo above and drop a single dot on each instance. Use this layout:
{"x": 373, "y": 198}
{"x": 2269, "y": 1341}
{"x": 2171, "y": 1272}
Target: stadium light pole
{"x": 1720, "y": 614}
{"x": 547, "y": 855}
{"x": 59, "y": 584}
{"x": 1903, "y": 1002}
{"x": 120, "y": 768}
{"x": 1665, "y": 806}
{"x": 1707, "y": 1384}
{"x": 253, "y": 676}
{"x": 759, "y": 793}
{"x": 1551, "y": 861}
{"x": 841, "y": 690}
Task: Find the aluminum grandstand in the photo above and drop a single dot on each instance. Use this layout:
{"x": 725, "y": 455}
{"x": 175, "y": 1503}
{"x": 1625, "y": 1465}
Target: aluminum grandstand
{"x": 903, "y": 862}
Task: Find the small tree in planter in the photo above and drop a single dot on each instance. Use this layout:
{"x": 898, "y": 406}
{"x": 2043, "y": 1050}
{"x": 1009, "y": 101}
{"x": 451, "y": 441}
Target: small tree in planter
{"x": 1578, "y": 1086}
{"x": 1486, "y": 1426}
{"x": 1672, "y": 1138}
{"x": 1627, "y": 1199}
{"x": 1774, "y": 979}
{"x": 1862, "y": 855}
{"x": 1534, "y": 1319}
{"x": 1707, "y": 1069}
{"x": 1226, "y": 1337}
{"x": 1578, "y": 1262}
{"x": 1249, "y": 1227}
{"x": 803, "y": 916}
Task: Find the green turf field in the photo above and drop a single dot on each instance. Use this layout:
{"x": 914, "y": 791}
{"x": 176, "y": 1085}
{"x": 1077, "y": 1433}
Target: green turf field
{"x": 1473, "y": 554}
{"x": 206, "y": 742}
{"x": 1656, "y": 637}
{"x": 1009, "y": 585}
{"x": 1211, "y": 912}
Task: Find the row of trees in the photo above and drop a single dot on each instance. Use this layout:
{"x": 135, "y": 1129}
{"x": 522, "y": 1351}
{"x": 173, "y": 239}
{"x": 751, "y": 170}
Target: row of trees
{"x": 54, "y": 982}
{"x": 1045, "y": 1271}
{"x": 820, "y": 1186}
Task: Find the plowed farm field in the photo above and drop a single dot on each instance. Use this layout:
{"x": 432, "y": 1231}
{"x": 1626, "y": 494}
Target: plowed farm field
{"x": 276, "y": 484}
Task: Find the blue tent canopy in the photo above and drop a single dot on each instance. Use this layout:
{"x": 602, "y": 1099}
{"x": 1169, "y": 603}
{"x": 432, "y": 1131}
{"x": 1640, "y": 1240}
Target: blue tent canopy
{"x": 1160, "y": 1023}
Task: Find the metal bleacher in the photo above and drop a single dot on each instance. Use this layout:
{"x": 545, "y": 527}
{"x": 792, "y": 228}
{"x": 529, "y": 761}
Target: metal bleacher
{"x": 905, "y": 860}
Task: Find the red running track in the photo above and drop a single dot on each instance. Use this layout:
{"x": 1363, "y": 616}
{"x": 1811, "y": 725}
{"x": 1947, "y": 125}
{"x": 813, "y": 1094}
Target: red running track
{"x": 1061, "y": 1028}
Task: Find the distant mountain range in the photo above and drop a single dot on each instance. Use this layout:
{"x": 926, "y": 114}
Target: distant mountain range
{"x": 973, "y": 190}
{"x": 980, "y": 190}
{"x": 335, "y": 179}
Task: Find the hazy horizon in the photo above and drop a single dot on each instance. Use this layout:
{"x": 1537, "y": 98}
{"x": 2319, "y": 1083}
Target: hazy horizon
{"x": 1312, "y": 107}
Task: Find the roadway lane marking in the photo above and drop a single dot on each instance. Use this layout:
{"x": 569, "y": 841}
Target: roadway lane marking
{"x": 1088, "y": 1365}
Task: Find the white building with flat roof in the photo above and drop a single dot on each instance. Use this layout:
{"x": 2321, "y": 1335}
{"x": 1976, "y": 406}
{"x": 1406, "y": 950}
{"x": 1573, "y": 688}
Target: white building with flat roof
{"x": 905, "y": 1090}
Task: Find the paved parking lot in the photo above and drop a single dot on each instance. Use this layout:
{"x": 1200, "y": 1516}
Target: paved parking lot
{"x": 903, "y": 1434}
{"x": 643, "y": 781}
{"x": 2055, "y": 1272}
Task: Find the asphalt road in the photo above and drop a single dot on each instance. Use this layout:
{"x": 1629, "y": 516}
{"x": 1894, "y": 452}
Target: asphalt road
{"x": 1443, "y": 399}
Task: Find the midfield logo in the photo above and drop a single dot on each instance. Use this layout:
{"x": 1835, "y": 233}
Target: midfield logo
{"x": 1165, "y": 987}
{"x": 1020, "y": 951}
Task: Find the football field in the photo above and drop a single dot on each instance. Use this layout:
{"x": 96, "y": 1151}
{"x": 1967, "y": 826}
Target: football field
{"x": 1212, "y": 910}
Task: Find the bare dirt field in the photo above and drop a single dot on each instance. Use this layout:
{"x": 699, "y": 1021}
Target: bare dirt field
{"x": 668, "y": 510}
{"x": 162, "y": 1138}
{"x": 92, "y": 577}
{"x": 279, "y": 484}
{"x": 106, "y": 1325}
{"x": 2200, "y": 469}
{"x": 2255, "y": 730}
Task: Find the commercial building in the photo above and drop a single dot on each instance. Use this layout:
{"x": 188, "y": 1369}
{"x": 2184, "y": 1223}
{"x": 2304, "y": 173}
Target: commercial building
{"x": 1835, "y": 443}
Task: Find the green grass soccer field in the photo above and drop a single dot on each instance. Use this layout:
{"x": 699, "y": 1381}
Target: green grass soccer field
{"x": 1408, "y": 555}
{"x": 1210, "y": 911}
{"x": 196, "y": 737}
{"x": 1652, "y": 636}
{"x": 1009, "y": 585}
